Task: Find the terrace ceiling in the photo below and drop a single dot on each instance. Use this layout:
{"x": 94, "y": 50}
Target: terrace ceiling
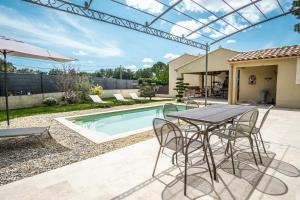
{"x": 197, "y": 23}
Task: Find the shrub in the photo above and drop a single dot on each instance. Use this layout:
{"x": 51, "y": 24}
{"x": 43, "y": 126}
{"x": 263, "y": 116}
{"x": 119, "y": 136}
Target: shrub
{"x": 50, "y": 101}
{"x": 83, "y": 86}
{"x": 97, "y": 90}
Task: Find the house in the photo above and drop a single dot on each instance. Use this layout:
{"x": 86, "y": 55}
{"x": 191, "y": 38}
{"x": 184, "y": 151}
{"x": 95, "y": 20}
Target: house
{"x": 266, "y": 76}
{"x": 192, "y": 69}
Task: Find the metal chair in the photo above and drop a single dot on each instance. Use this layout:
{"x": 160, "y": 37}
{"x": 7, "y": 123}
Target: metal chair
{"x": 191, "y": 104}
{"x": 185, "y": 126}
{"x": 256, "y": 130}
{"x": 242, "y": 129}
{"x": 170, "y": 136}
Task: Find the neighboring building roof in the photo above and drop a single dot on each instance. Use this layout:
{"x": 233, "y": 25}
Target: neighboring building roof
{"x": 183, "y": 55}
{"x": 287, "y": 51}
{"x": 203, "y": 56}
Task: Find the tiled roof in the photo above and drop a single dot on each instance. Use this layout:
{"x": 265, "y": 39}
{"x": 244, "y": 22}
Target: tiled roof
{"x": 280, "y": 52}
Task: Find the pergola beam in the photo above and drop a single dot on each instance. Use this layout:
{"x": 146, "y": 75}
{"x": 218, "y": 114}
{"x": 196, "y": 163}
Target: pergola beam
{"x": 79, "y": 10}
{"x": 261, "y": 22}
{"x": 237, "y": 12}
{"x": 163, "y": 19}
{"x": 256, "y": 6}
{"x": 204, "y": 8}
{"x": 279, "y": 4}
{"x": 167, "y": 10}
{"x": 196, "y": 20}
{"x": 222, "y": 17}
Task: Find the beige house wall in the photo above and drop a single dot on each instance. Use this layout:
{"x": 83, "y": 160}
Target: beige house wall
{"x": 266, "y": 79}
{"x": 298, "y": 71}
{"x": 217, "y": 61}
{"x": 287, "y": 92}
{"x": 175, "y": 64}
{"x": 190, "y": 65}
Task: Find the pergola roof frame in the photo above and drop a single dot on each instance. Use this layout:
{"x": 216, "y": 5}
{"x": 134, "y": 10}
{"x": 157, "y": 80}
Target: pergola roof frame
{"x": 86, "y": 11}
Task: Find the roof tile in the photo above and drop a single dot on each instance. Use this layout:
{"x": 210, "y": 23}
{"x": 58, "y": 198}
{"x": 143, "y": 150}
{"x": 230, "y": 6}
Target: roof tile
{"x": 286, "y": 51}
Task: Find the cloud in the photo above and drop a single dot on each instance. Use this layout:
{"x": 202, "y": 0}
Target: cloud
{"x": 151, "y": 6}
{"x": 132, "y": 67}
{"x": 147, "y": 66}
{"x": 219, "y": 7}
{"x": 35, "y": 30}
{"x": 148, "y": 60}
{"x": 170, "y": 56}
{"x": 80, "y": 53}
{"x": 230, "y": 41}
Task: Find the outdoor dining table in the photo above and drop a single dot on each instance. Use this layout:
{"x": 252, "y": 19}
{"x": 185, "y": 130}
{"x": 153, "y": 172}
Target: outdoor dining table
{"x": 214, "y": 116}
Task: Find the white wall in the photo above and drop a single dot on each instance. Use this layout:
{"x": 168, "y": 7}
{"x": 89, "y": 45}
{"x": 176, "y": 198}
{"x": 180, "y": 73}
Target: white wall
{"x": 25, "y": 101}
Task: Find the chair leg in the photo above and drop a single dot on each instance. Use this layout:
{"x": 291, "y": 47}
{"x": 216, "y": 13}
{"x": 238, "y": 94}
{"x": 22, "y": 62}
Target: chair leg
{"x": 251, "y": 145}
{"x": 185, "y": 172}
{"x": 262, "y": 142}
{"x": 156, "y": 161}
{"x": 258, "y": 151}
{"x": 231, "y": 155}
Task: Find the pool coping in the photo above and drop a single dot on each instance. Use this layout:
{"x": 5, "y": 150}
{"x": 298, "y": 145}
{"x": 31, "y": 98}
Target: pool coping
{"x": 98, "y": 137}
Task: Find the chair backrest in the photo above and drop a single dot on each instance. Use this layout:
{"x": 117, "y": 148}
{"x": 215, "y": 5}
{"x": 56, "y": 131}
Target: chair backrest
{"x": 190, "y": 104}
{"x": 133, "y": 95}
{"x": 168, "y": 134}
{"x": 119, "y": 97}
{"x": 247, "y": 121}
{"x": 265, "y": 117}
{"x": 96, "y": 98}
{"x": 169, "y": 108}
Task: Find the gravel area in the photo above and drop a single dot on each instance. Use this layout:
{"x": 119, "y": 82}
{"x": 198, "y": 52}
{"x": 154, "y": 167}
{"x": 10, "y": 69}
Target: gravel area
{"x": 27, "y": 156}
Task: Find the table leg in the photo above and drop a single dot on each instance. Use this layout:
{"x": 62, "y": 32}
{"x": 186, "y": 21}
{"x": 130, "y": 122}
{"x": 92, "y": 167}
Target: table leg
{"x": 211, "y": 155}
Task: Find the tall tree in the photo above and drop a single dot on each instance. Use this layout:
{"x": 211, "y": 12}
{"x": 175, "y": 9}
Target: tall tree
{"x": 10, "y": 66}
{"x": 161, "y": 71}
{"x": 296, "y": 12}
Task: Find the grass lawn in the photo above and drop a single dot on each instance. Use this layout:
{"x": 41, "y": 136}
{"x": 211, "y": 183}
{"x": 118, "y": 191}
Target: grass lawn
{"x": 64, "y": 108}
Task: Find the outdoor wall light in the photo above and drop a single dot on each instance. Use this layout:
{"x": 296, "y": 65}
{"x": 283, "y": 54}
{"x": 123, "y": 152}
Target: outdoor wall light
{"x": 252, "y": 80}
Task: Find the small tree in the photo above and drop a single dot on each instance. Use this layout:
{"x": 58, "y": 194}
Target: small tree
{"x": 148, "y": 89}
{"x": 66, "y": 82}
{"x": 83, "y": 86}
{"x": 296, "y": 12}
{"x": 180, "y": 88}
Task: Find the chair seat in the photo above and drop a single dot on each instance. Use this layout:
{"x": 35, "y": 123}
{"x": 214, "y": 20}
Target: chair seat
{"x": 229, "y": 134}
{"x": 194, "y": 144}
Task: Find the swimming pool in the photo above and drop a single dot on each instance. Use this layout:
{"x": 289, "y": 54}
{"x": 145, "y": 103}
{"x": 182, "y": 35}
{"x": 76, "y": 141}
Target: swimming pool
{"x": 115, "y": 123}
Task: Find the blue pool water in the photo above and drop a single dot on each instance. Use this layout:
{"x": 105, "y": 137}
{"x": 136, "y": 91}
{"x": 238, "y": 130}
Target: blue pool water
{"x": 114, "y": 123}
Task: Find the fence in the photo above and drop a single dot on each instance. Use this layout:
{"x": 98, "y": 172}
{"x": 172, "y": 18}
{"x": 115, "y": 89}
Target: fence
{"x": 19, "y": 84}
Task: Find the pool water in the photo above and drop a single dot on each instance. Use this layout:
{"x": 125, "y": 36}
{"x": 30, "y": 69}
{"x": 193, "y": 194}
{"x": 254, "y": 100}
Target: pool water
{"x": 114, "y": 123}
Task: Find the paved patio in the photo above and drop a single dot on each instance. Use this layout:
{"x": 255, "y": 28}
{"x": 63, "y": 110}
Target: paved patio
{"x": 126, "y": 173}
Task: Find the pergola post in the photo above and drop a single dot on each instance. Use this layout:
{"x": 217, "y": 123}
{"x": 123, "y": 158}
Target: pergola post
{"x": 5, "y": 87}
{"x": 206, "y": 71}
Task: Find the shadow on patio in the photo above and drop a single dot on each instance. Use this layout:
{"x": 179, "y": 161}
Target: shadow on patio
{"x": 248, "y": 178}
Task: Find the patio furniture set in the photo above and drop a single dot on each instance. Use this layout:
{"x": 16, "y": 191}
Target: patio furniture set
{"x": 185, "y": 132}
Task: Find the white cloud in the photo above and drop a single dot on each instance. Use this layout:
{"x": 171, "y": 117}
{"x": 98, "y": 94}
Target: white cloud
{"x": 190, "y": 24}
{"x": 147, "y": 66}
{"x": 80, "y": 53}
{"x": 219, "y": 7}
{"x": 230, "y": 41}
{"x": 132, "y": 67}
{"x": 151, "y": 6}
{"x": 148, "y": 60}
{"x": 37, "y": 31}
{"x": 170, "y": 56}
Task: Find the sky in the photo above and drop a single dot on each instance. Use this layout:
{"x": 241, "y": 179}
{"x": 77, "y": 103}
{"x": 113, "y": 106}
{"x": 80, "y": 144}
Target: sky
{"x": 97, "y": 45}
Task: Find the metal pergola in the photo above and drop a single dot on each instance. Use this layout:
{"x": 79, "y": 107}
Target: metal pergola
{"x": 86, "y": 9}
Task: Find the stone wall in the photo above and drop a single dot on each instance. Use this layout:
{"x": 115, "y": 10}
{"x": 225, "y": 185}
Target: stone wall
{"x": 25, "y": 101}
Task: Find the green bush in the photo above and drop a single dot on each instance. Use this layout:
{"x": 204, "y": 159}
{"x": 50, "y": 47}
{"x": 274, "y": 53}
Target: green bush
{"x": 50, "y": 101}
{"x": 97, "y": 90}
